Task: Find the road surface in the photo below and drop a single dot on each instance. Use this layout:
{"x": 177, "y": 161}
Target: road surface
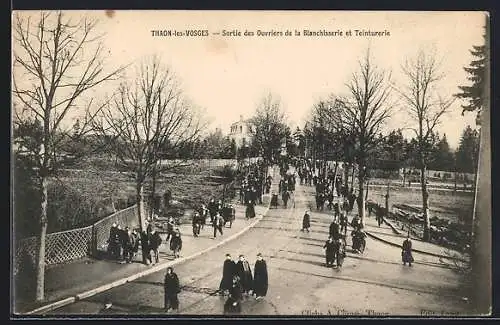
{"x": 373, "y": 284}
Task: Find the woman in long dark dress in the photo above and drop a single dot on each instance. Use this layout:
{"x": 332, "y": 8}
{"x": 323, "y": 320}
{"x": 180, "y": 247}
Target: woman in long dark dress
{"x": 172, "y": 289}
{"x": 260, "y": 278}
{"x": 406, "y": 253}
{"x": 306, "y": 222}
{"x": 176, "y": 243}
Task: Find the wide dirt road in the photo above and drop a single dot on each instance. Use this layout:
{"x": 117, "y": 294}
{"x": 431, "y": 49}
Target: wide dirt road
{"x": 372, "y": 284}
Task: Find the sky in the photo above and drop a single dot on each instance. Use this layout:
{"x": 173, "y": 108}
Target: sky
{"x": 227, "y": 75}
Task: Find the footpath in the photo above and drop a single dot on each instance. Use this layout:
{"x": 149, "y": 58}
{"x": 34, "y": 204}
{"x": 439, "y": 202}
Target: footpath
{"x": 388, "y": 234}
{"x": 69, "y": 282}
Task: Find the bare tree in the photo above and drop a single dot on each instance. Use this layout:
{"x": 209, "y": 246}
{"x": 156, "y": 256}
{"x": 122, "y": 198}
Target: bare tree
{"x": 366, "y": 110}
{"x": 268, "y": 126}
{"x": 147, "y": 121}
{"x": 330, "y": 130}
{"x": 56, "y": 60}
{"x": 426, "y": 107}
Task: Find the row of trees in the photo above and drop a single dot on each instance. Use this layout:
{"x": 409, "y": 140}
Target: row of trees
{"x": 395, "y": 149}
{"x": 347, "y": 127}
{"x": 57, "y": 63}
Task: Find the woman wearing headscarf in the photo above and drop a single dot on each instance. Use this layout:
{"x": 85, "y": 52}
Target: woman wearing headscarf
{"x": 172, "y": 289}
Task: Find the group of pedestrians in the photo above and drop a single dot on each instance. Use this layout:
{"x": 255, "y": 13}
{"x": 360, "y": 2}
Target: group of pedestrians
{"x": 238, "y": 281}
{"x": 123, "y": 245}
{"x": 219, "y": 214}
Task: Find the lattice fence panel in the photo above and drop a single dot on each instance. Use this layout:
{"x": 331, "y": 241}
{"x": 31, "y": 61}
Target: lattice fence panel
{"x": 68, "y": 245}
{"x": 124, "y": 218}
{"x": 71, "y": 244}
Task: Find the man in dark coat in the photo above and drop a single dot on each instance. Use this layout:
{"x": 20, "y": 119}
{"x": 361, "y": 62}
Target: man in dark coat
{"x": 233, "y": 303}
{"x": 217, "y": 224}
{"x": 343, "y": 222}
{"x": 260, "y": 280}
{"x": 285, "y": 196}
{"x": 122, "y": 243}
{"x": 334, "y": 231}
{"x": 112, "y": 243}
{"x": 145, "y": 247}
{"x": 172, "y": 288}
{"x": 244, "y": 272}
{"x": 306, "y": 222}
{"x": 196, "y": 224}
{"x": 356, "y": 222}
{"x": 330, "y": 249}
{"x": 212, "y": 209}
{"x": 129, "y": 247}
{"x": 228, "y": 271}
{"x": 336, "y": 210}
{"x": 154, "y": 243}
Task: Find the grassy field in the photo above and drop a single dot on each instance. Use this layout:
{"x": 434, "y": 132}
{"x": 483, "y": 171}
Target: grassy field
{"x": 446, "y": 205}
{"x": 102, "y": 189}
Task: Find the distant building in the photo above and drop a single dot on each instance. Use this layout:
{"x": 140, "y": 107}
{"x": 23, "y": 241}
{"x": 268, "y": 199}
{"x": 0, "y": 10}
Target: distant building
{"x": 240, "y": 132}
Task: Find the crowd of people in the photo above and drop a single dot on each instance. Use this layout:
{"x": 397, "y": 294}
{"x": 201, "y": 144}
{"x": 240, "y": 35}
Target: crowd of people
{"x": 123, "y": 244}
{"x": 238, "y": 280}
{"x": 253, "y": 187}
{"x": 334, "y": 192}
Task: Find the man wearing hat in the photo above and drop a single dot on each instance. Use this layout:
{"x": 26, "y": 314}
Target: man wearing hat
{"x": 260, "y": 280}
{"x": 244, "y": 272}
{"x": 228, "y": 271}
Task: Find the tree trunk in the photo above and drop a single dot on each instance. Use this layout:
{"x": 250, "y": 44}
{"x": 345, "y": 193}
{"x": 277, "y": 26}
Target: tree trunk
{"x": 335, "y": 177}
{"x": 224, "y": 193}
{"x": 387, "y": 199}
{"x": 404, "y": 176}
{"x": 140, "y": 205}
{"x": 367, "y": 189}
{"x": 352, "y": 176}
{"x": 153, "y": 193}
{"x": 455, "y": 185}
{"x": 425, "y": 202}
{"x": 361, "y": 189}
{"x": 346, "y": 176}
{"x": 40, "y": 272}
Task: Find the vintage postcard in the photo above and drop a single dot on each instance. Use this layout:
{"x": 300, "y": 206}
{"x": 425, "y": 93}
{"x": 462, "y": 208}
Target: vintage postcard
{"x": 251, "y": 163}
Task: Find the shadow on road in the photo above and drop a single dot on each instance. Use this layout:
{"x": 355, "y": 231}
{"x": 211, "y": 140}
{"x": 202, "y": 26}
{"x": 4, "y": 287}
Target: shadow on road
{"x": 381, "y": 284}
{"x": 274, "y": 228}
{"x": 364, "y": 258}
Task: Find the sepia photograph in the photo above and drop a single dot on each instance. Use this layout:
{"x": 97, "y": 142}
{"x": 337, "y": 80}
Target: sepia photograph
{"x": 176, "y": 163}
